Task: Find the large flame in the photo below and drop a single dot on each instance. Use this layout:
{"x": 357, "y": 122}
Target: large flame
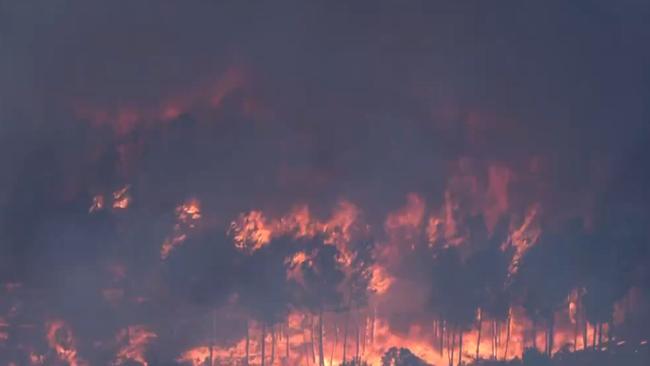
{"x": 134, "y": 341}
{"x": 61, "y": 340}
{"x": 188, "y": 215}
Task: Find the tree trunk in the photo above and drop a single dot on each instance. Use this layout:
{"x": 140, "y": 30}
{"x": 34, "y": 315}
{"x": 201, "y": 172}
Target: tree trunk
{"x": 593, "y": 337}
{"x": 610, "y": 331}
{"x": 478, "y": 338}
{"x": 505, "y": 354}
{"x": 272, "y": 345}
{"x": 312, "y": 343}
{"x": 336, "y": 339}
{"x": 551, "y": 335}
{"x": 345, "y": 336}
{"x": 600, "y": 334}
{"x": 320, "y": 338}
{"x": 305, "y": 348}
{"x": 286, "y": 340}
{"x": 585, "y": 338}
{"x": 263, "y": 340}
{"x": 214, "y": 336}
{"x": 494, "y": 339}
{"x": 372, "y": 325}
{"x": 364, "y": 334}
{"x": 248, "y": 342}
{"x": 460, "y": 347}
{"x": 534, "y": 333}
{"x": 575, "y": 335}
{"x": 356, "y": 325}
{"x": 442, "y": 336}
{"x": 453, "y": 347}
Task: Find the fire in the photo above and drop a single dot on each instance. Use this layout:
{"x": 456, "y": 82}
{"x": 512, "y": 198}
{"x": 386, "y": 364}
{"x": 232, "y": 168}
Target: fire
{"x": 201, "y": 355}
{"x": 97, "y": 205}
{"x": 134, "y": 340}
{"x": 121, "y": 198}
{"x": 252, "y": 231}
{"x": 523, "y": 238}
{"x": 60, "y": 339}
{"x": 406, "y": 221}
{"x": 126, "y": 118}
{"x": 380, "y": 281}
{"x": 188, "y": 215}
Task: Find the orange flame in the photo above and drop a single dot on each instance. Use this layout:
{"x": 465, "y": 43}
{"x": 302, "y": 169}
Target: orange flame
{"x": 188, "y": 215}
{"x": 60, "y": 339}
{"x": 135, "y": 340}
{"x": 252, "y": 231}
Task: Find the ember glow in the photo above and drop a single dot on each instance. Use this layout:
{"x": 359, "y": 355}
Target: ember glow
{"x": 324, "y": 183}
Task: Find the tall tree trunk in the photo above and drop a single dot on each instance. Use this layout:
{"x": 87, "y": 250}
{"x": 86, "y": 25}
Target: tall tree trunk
{"x": 494, "y": 339}
{"x": 453, "y": 346}
{"x": 320, "y": 338}
{"x": 575, "y": 335}
{"x": 460, "y": 347}
{"x": 448, "y": 350}
{"x": 498, "y": 339}
{"x": 263, "y": 340}
{"x": 610, "y": 330}
{"x": 478, "y": 338}
{"x": 505, "y": 353}
{"x": 593, "y": 337}
{"x": 356, "y": 325}
{"x": 585, "y": 337}
{"x": 364, "y": 334}
{"x": 551, "y": 335}
{"x": 312, "y": 343}
{"x": 534, "y": 332}
{"x": 272, "y": 345}
{"x": 372, "y": 325}
{"x": 248, "y": 342}
{"x": 442, "y": 336}
{"x": 336, "y": 339}
{"x": 305, "y": 348}
{"x": 600, "y": 334}
{"x": 345, "y": 335}
{"x": 286, "y": 340}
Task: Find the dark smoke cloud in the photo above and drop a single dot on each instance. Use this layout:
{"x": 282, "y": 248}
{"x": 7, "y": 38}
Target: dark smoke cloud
{"x": 280, "y": 104}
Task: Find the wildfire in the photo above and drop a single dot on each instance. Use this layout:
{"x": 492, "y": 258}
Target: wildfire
{"x": 121, "y": 198}
{"x": 135, "y": 340}
{"x": 188, "y": 215}
{"x": 523, "y": 238}
{"x": 97, "y": 205}
{"x": 380, "y": 281}
{"x": 201, "y": 355}
{"x": 252, "y": 231}
{"x": 60, "y": 339}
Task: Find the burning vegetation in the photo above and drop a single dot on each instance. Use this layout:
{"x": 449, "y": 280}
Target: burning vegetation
{"x": 331, "y": 186}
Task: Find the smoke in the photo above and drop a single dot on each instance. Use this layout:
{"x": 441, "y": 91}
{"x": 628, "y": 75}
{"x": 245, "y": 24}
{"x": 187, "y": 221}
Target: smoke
{"x": 461, "y": 156}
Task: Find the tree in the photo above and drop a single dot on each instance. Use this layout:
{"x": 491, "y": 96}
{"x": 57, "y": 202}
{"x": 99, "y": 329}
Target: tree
{"x": 401, "y": 357}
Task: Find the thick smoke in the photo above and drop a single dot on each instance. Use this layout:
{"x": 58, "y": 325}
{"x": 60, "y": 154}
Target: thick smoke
{"x": 180, "y": 176}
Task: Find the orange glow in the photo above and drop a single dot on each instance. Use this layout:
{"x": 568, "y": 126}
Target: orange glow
{"x": 97, "y": 205}
{"x": 188, "y": 215}
{"x": 134, "y": 340}
{"x": 60, "y": 339}
{"x": 380, "y": 281}
{"x": 121, "y": 198}
{"x": 126, "y": 118}
{"x": 252, "y": 231}
{"x": 523, "y": 238}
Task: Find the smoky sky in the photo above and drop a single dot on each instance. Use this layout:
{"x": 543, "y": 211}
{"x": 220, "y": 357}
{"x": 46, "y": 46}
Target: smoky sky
{"x": 366, "y": 101}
